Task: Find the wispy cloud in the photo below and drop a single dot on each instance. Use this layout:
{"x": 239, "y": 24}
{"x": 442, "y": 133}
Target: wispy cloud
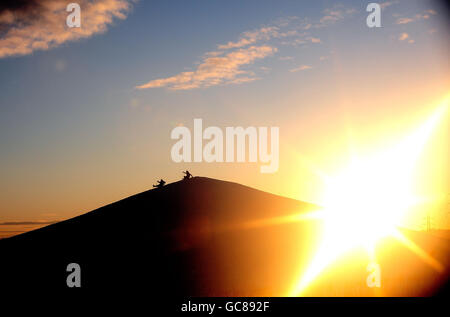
{"x": 229, "y": 62}
{"x": 406, "y": 37}
{"x": 251, "y": 37}
{"x": 28, "y": 26}
{"x": 333, "y": 15}
{"x": 226, "y": 64}
{"x": 215, "y": 70}
{"x": 386, "y": 4}
{"x": 404, "y": 20}
{"x": 403, "y": 36}
{"x": 300, "y": 68}
{"x": 420, "y": 16}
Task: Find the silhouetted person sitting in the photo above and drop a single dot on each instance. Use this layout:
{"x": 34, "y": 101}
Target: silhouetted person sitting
{"x": 160, "y": 184}
{"x": 187, "y": 175}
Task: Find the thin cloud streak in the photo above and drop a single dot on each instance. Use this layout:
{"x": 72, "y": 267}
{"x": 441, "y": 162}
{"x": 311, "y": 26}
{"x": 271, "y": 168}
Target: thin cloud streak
{"x": 26, "y": 223}
{"x": 423, "y": 16}
{"x": 215, "y": 70}
{"x": 386, "y": 4}
{"x": 300, "y": 68}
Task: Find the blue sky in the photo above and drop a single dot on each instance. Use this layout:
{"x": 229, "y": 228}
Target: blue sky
{"x": 73, "y": 124}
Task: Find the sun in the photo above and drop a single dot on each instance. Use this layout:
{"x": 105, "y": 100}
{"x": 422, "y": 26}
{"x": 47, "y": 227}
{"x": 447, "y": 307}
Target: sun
{"x": 368, "y": 199}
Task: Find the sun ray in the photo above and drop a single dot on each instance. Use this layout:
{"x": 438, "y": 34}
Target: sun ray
{"x": 428, "y": 259}
{"x": 273, "y": 221}
{"x": 368, "y": 200}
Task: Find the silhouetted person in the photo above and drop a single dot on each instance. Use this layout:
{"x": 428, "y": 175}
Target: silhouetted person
{"x": 187, "y": 175}
{"x": 160, "y": 184}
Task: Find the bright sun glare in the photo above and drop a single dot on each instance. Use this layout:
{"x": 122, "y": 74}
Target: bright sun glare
{"x": 368, "y": 200}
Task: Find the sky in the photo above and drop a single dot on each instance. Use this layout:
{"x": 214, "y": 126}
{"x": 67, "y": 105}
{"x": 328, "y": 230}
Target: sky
{"x": 86, "y": 113}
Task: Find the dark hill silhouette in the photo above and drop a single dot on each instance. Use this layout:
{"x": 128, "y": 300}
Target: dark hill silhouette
{"x": 193, "y": 237}
{"x": 161, "y": 237}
